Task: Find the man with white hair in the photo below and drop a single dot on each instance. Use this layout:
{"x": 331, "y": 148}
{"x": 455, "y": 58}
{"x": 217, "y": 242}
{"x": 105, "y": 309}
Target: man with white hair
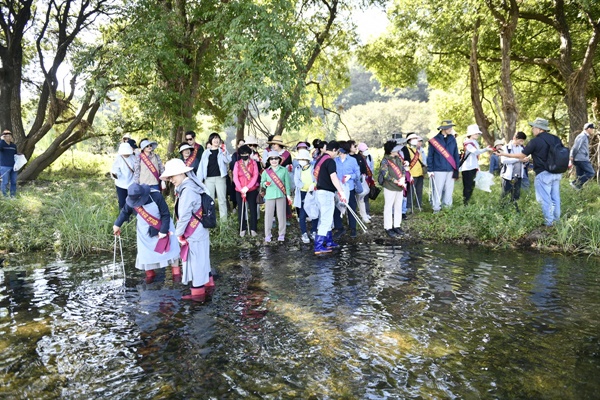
{"x": 580, "y": 157}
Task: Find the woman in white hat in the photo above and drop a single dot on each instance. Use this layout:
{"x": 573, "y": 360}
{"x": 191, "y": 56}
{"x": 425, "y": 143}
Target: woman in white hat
{"x": 275, "y": 180}
{"x": 122, "y": 172}
{"x": 469, "y": 163}
{"x": 148, "y": 165}
{"x": 185, "y": 152}
{"x": 246, "y": 178}
{"x": 304, "y": 182}
{"x": 192, "y": 236}
{"x": 413, "y": 153}
{"x": 156, "y": 245}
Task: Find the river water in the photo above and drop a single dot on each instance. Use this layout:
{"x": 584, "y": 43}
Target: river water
{"x": 372, "y": 321}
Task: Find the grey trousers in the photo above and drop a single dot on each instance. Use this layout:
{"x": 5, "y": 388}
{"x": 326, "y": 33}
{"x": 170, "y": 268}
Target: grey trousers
{"x": 270, "y": 207}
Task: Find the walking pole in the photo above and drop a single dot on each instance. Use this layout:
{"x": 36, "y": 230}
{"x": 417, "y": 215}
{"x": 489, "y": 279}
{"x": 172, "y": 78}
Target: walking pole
{"x": 114, "y": 256}
{"x": 247, "y": 217}
{"x": 359, "y": 222}
{"x": 435, "y": 189}
{"x": 122, "y": 261}
{"x": 417, "y": 199}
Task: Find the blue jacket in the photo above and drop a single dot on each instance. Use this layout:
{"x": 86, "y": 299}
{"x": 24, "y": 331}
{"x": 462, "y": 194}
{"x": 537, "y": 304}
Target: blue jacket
{"x": 349, "y": 167}
{"x": 436, "y": 161}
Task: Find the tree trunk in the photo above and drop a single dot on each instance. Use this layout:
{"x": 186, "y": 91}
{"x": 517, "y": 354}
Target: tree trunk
{"x": 476, "y": 94}
{"x": 577, "y": 104}
{"x": 507, "y": 94}
{"x": 240, "y": 124}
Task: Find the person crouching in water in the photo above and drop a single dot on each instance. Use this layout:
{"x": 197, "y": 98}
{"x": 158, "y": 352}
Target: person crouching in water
{"x": 156, "y": 245}
{"x": 192, "y": 236}
{"x": 275, "y": 179}
{"x": 325, "y": 173}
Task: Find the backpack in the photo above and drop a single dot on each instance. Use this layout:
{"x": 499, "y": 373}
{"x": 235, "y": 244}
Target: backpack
{"x": 209, "y": 212}
{"x": 380, "y": 176}
{"x": 557, "y": 161}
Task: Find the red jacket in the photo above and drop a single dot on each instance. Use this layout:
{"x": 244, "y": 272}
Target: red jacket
{"x": 240, "y": 179}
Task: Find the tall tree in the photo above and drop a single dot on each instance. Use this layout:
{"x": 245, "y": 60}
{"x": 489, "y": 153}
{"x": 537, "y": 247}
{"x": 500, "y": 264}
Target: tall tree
{"x": 36, "y": 40}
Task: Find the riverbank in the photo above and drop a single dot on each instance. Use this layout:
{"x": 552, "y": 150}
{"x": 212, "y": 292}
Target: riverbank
{"x": 75, "y": 216}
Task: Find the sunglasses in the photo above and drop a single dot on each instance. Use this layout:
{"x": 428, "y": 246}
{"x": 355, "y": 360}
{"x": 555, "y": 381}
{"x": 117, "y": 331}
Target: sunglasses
{"x": 189, "y": 139}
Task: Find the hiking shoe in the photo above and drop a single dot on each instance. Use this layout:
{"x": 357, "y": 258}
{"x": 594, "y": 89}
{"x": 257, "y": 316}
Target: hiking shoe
{"x": 305, "y": 238}
{"x": 268, "y": 239}
{"x": 313, "y": 235}
{"x": 404, "y": 217}
{"x": 253, "y": 233}
{"x": 242, "y": 233}
{"x": 281, "y": 238}
{"x": 398, "y": 231}
{"x": 391, "y": 233}
{"x": 574, "y": 186}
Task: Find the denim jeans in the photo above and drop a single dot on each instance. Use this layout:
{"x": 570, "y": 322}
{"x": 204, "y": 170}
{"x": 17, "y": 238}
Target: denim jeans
{"x": 9, "y": 175}
{"x": 584, "y": 172}
{"x": 547, "y": 193}
{"x": 326, "y": 201}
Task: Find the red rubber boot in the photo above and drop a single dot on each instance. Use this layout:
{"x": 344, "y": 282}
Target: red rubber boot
{"x": 198, "y": 294}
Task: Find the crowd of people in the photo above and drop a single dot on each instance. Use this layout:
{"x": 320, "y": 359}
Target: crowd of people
{"x": 327, "y": 184}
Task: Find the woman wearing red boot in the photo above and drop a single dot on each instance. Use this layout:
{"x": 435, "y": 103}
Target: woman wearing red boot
{"x": 157, "y": 247}
{"x": 192, "y": 236}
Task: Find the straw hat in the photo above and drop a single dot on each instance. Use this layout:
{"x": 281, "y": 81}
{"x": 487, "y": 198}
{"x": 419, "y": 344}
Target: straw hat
{"x": 125, "y": 149}
{"x": 174, "y": 167}
{"x": 277, "y": 139}
{"x": 137, "y": 195}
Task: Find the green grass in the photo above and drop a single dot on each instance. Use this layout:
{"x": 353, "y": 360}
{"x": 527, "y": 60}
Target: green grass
{"x": 73, "y": 213}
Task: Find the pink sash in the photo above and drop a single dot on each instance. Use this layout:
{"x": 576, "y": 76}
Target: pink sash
{"x": 189, "y": 231}
{"x": 245, "y": 170}
{"x": 442, "y": 150}
{"x": 163, "y": 245}
{"x": 150, "y": 166}
{"x": 277, "y": 181}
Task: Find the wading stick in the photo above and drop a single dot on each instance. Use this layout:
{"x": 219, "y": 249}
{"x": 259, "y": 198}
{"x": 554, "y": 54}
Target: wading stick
{"x": 114, "y": 256}
{"x": 122, "y": 261}
{"x": 247, "y": 217}
{"x": 414, "y": 192}
{"x": 359, "y": 222}
{"x": 435, "y": 189}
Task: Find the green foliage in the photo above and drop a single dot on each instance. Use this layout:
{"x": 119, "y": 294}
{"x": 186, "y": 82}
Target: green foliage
{"x": 374, "y": 123}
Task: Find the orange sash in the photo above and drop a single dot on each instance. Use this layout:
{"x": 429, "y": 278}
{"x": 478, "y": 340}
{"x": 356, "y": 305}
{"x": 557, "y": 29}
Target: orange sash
{"x": 317, "y": 169}
{"x": 442, "y": 150}
{"x": 277, "y": 181}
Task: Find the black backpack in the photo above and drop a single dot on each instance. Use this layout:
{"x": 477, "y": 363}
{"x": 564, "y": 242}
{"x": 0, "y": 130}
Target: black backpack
{"x": 557, "y": 161}
{"x": 209, "y": 211}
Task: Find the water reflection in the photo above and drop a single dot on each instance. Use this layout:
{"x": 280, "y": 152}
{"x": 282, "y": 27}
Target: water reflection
{"x": 372, "y": 321}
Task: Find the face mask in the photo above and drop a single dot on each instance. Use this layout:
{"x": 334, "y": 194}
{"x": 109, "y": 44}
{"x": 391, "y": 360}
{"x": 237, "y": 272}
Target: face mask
{"x": 303, "y": 163}
{"x": 245, "y": 157}
{"x": 414, "y": 142}
{"x": 366, "y": 153}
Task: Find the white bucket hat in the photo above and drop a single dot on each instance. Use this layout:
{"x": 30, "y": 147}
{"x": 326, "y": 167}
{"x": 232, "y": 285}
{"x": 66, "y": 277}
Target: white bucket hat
{"x": 303, "y": 155}
{"x": 473, "y": 129}
{"x": 125, "y": 149}
{"x": 251, "y": 140}
{"x": 174, "y": 167}
{"x": 185, "y": 147}
{"x": 146, "y": 143}
{"x": 413, "y": 136}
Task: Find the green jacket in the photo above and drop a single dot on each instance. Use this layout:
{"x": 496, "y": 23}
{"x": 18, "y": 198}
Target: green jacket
{"x": 388, "y": 174}
{"x": 273, "y": 192}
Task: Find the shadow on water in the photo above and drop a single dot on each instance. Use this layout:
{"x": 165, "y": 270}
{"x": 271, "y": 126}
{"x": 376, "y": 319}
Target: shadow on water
{"x": 371, "y": 321}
